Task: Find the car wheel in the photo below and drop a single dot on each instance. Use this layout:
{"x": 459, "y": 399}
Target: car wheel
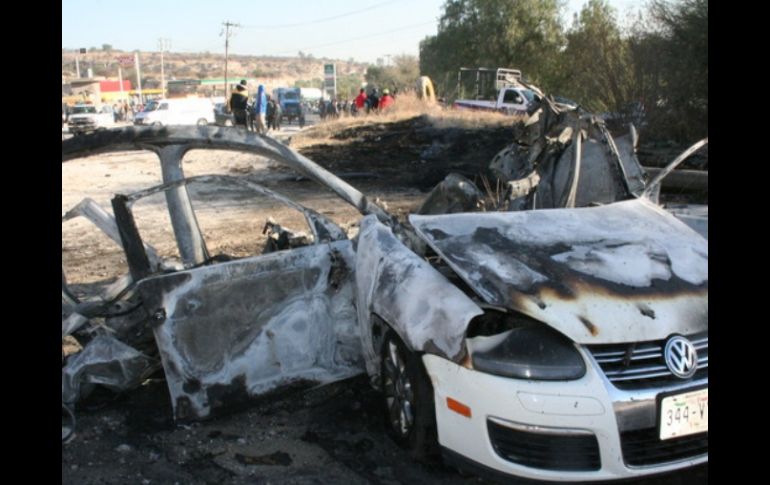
{"x": 202, "y": 122}
{"x": 409, "y": 411}
{"x": 157, "y": 123}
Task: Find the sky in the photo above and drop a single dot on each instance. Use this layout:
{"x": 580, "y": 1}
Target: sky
{"x": 364, "y": 30}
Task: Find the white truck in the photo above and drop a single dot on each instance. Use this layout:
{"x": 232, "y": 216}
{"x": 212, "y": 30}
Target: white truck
{"x": 182, "y": 111}
{"x": 499, "y": 90}
{"x": 310, "y": 94}
{"x": 85, "y": 118}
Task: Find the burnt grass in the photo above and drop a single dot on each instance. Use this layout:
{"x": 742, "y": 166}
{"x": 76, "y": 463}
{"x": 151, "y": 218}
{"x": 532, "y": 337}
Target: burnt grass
{"x": 411, "y": 152}
{"x": 333, "y": 434}
{"x": 132, "y": 438}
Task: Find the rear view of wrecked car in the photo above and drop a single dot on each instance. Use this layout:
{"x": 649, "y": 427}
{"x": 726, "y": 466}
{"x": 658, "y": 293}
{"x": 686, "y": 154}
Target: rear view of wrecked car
{"x": 557, "y": 332}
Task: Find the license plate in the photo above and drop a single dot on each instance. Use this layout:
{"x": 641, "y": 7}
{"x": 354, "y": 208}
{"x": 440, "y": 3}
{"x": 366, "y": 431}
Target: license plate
{"x": 684, "y": 414}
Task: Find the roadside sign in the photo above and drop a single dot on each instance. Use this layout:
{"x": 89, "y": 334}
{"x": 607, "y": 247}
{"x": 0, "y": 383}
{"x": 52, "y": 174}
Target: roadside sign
{"x": 125, "y": 61}
{"x": 330, "y": 79}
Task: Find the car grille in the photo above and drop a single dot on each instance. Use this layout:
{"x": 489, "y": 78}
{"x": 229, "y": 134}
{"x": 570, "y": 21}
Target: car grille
{"x": 573, "y": 452}
{"x": 635, "y": 366}
{"x": 643, "y": 447}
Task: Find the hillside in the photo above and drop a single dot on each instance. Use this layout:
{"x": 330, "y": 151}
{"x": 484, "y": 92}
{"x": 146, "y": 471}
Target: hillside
{"x": 274, "y": 71}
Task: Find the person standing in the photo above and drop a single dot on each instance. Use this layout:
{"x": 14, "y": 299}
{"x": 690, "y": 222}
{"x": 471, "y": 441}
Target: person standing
{"x": 360, "y": 101}
{"x": 373, "y": 101}
{"x": 260, "y": 110}
{"x": 302, "y": 111}
{"x": 239, "y": 100}
{"x": 278, "y": 116}
{"x": 386, "y": 100}
{"x": 270, "y": 113}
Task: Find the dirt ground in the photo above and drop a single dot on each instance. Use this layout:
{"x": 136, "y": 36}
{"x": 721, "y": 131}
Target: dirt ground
{"x": 327, "y": 435}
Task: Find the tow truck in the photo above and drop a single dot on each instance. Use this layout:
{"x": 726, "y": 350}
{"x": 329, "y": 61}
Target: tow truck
{"x": 500, "y": 89}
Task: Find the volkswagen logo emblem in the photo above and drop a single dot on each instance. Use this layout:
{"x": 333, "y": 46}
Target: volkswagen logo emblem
{"x": 681, "y": 357}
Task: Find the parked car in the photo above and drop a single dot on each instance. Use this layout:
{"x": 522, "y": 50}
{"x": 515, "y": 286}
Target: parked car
{"x": 560, "y": 344}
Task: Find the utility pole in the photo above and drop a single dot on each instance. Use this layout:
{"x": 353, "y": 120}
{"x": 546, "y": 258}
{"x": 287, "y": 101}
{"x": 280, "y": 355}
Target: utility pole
{"x": 227, "y": 24}
{"x": 82, "y": 50}
{"x": 138, "y": 77}
{"x": 163, "y": 44}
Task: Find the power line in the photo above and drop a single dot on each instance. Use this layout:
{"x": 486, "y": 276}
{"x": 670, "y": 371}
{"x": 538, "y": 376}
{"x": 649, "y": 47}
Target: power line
{"x": 318, "y": 21}
{"x": 357, "y": 38}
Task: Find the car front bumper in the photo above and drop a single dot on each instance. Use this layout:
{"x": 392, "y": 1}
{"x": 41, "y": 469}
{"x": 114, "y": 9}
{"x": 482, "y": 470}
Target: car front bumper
{"x": 557, "y": 431}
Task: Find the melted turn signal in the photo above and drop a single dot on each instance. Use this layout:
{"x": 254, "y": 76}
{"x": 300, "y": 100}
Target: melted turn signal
{"x": 458, "y": 407}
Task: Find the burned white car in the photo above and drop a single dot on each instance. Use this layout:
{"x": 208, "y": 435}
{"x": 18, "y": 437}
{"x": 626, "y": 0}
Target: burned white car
{"x": 558, "y": 333}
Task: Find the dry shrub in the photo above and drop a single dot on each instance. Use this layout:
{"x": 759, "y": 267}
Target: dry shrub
{"x": 407, "y": 106}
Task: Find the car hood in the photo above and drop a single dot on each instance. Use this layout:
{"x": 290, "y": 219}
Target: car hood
{"x": 627, "y": 271}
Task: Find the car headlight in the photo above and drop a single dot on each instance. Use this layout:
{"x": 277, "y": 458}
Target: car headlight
{"x": 526, "y": 349}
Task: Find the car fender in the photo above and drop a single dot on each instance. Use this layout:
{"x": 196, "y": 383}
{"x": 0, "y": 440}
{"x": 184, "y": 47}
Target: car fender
{"x": 427, "y": 311}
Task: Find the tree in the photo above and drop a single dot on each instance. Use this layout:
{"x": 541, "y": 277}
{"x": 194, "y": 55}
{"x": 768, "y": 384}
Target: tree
{"x": 521, "y": 34}
{"x": 403, "y": 73}
{"x": 597, "y": 63}
{"x": 107, "y": 47}
{"x": 683, "y": 105}
{"x": 308, "y": 83}
{"x": 348, "y": 85}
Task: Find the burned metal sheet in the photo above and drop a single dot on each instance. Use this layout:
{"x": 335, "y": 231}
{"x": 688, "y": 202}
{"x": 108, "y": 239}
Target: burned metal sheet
{"x": 246, "y": 327}
{"x": 453, "y": 194}
{"x": 106, "y": 361}
{"x": 427, "y": 311}
{"x": 628, "y": 271}
{"x": 567, "y": 158}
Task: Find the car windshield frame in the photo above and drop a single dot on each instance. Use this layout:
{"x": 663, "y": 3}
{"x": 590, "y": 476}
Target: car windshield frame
{"x": 77, "y": 110}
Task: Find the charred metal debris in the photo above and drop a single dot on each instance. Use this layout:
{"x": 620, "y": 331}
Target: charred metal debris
{"x": 311, "y": 307}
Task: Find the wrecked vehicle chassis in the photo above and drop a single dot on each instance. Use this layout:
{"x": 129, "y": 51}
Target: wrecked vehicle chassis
{"x": 454, "y": 290}
{"x": 214, "y": 321}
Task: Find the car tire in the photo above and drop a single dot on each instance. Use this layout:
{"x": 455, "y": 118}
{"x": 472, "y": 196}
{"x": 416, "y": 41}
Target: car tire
{"x": 157, "y": 123}
{"x": 202, "y": 122}
{"x": 408, "y": 399}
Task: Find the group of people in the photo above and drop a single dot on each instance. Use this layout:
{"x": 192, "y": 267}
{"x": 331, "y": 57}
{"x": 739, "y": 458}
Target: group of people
{"x": 260, "y": 115}
{"x": 264, "y": 113}
{"x": 363, "y": 103}
{"x": 122, "y": 111}
{"x": 373, "y": 102}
